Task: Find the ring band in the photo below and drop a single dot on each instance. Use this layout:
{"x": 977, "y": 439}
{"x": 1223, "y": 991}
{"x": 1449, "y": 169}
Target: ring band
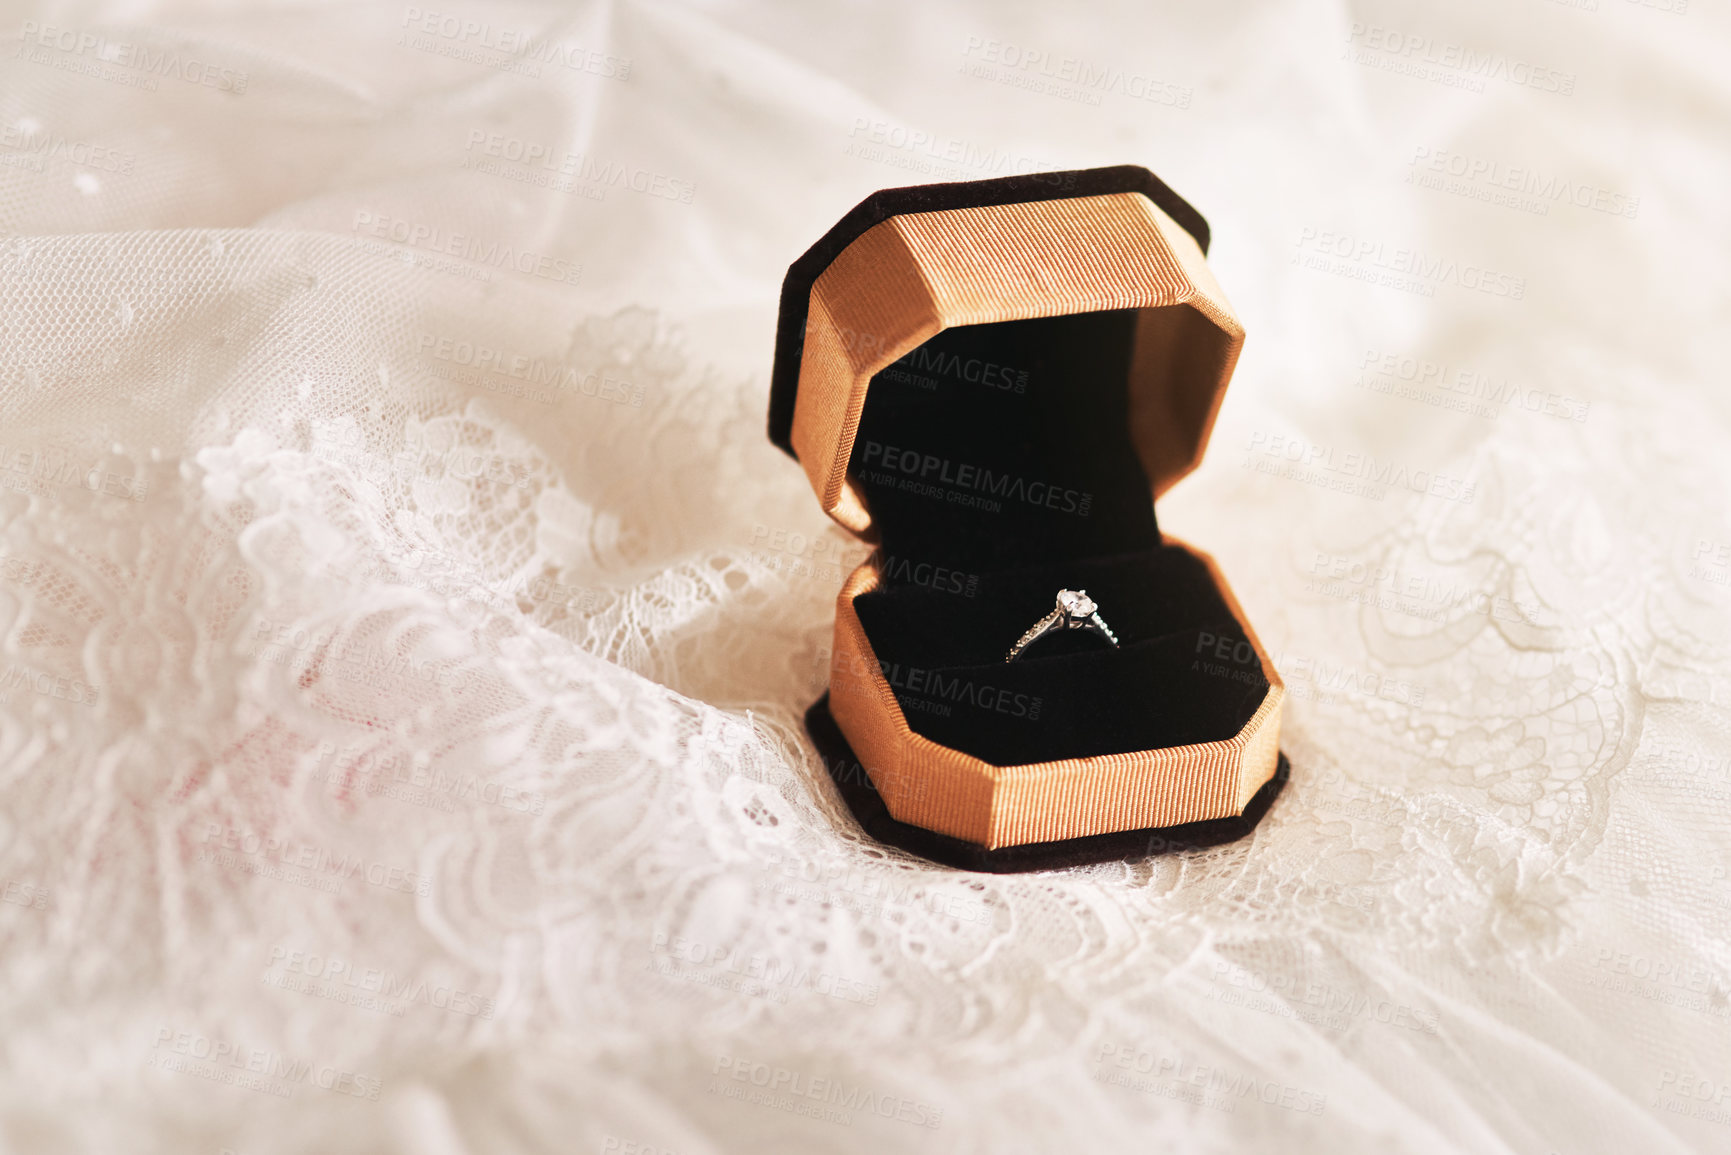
{"x": 1075, "y": 611}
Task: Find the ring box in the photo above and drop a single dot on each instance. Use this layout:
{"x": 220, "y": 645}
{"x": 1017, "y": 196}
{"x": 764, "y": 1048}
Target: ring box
{"x": 992, "y": 381}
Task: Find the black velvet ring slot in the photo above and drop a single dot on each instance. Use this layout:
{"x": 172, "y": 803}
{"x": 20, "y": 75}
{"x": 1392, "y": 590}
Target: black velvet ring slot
{"x": 1184, "y": 672}
{"x": 997, "y": 465}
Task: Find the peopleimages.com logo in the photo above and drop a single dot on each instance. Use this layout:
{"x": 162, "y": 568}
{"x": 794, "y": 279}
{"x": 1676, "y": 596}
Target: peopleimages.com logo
{"x": 1399, "y": 266}
{"x": 934, "y": 691}
{"x": 458, "y": 37}
{"x": 802, "y": 1093}
{"x": 928, "y": 474}
{"x": 1064, "y": 76}
{"x": 143, "y": 63}
{"x": 1425, "y": 57}
{"x": 486, "y": 151}
{"x": 1516, "y": 186}
{"x": 927, "y": 368}
{"x": 1349, "y": 471}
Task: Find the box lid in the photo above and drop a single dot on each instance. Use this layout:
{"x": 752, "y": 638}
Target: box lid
{"x": 907, "y": 264}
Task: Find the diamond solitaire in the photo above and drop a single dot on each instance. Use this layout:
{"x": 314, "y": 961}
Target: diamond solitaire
{"x": 1075, "y": 611}
{"x": 1077, "y": 604}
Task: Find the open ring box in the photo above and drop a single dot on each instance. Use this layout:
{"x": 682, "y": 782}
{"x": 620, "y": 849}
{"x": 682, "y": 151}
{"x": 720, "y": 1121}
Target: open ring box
{"x": 991, "y": 381}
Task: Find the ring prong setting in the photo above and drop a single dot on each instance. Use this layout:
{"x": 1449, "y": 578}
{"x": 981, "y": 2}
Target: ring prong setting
{"x": 1073, "y": 610}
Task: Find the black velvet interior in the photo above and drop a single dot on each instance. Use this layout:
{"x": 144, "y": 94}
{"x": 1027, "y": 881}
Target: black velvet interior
{"x": 994, "y": 445}
{"x": 997, "y": 465}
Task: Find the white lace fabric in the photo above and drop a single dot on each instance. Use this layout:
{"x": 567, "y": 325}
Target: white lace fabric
{"x": 405, "y": 624}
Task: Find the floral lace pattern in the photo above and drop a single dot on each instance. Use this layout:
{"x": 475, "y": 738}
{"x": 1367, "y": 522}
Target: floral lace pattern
{"x": 404, "y": 641}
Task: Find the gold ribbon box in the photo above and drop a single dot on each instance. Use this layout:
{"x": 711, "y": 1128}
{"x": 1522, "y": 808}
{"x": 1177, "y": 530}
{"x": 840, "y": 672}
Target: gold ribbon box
{"x": 992, "y": 381}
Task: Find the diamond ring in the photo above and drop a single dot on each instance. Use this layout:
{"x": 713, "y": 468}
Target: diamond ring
{"x": 1075, "y": 611}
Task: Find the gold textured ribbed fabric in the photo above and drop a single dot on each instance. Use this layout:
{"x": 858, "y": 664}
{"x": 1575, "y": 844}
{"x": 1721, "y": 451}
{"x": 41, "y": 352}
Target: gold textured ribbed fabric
{"x": 932, "y": 786}
{"x": 915, "y": 274}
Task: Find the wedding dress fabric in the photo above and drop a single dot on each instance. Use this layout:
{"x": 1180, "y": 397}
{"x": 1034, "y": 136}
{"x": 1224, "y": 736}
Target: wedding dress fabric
{"x": 406, "y": 623}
